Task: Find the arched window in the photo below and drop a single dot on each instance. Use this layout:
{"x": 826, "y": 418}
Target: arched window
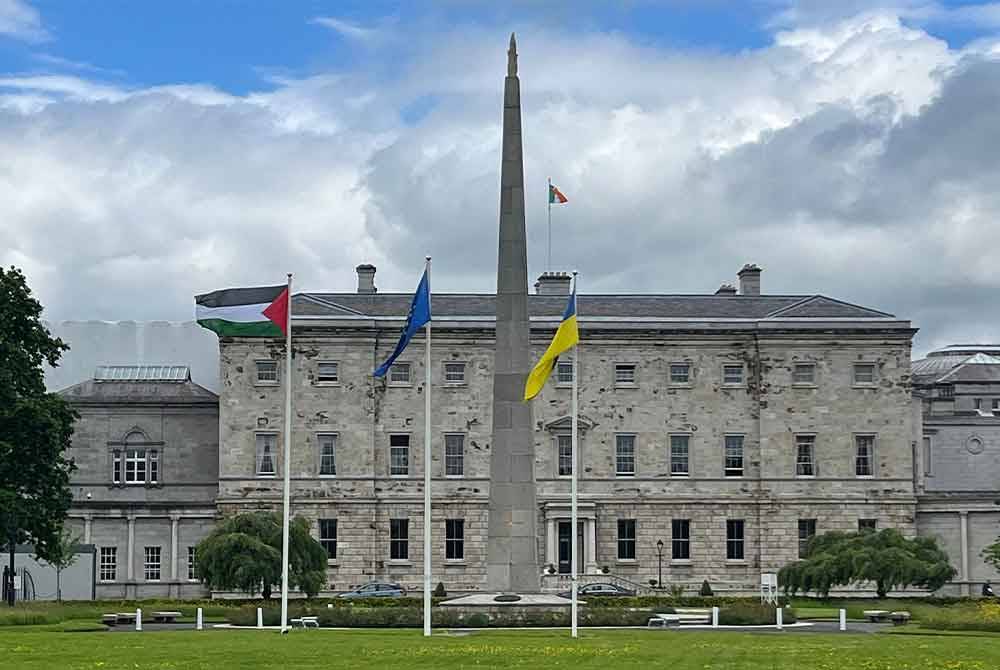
{"x": 137, "y": 462}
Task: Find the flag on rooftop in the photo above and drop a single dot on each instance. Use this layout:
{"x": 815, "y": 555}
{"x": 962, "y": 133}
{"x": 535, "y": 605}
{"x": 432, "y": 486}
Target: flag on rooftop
{"x": 420, "y": 314}
{"x": 261, "y": 311}
{"x": 566, "y": 337}
{"x": 556, "y": 196}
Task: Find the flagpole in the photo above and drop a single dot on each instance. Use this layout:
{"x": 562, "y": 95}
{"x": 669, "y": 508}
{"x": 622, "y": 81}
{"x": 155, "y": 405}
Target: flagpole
{"x": 548, "y": 198}
{"x": 574, "y": 547}
{"x": 427, "y": 462}
{"x": 286, "y": 457}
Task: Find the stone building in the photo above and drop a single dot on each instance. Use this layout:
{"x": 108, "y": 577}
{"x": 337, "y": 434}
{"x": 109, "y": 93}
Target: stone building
{"x": 730, "y": 426}
{"x": 147, "y": 457}
{"x": 958, "y": 465}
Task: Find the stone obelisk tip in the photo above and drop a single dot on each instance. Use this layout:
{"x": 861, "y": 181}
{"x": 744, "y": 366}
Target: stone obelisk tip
{"x": 512, "y": 57}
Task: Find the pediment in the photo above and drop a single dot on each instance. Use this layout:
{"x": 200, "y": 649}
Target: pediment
{"x": 565, "y": 424}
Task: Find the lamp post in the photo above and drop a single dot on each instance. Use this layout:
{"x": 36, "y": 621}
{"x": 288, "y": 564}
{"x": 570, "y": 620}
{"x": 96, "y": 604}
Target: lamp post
{"x": 659, "y": 556}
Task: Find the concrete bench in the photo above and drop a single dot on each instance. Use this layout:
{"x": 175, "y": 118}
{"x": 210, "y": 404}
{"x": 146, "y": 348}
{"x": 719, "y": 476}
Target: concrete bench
{"x": 125, "y": 617}
{"x": 900, "y": 618}
{"x": 876, "y": 616}
{"x": 663, "y": 620}
{"x": 306, "y": 622}
{"x": 166, "y": 617}
{"x": 109, "y": 619}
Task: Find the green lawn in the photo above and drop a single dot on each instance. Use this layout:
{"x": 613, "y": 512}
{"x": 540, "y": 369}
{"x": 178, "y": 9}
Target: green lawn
{"x": 30, "y": 648}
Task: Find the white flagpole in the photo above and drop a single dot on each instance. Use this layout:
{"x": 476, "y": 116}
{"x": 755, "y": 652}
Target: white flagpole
{"x": 286, "y": 458}
{"x": 427, "y": 464}
{"x": 575, "y": 544}
{"x": 548, "y": 199}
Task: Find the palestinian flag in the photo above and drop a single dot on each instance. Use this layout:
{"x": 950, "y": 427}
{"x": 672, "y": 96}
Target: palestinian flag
{"x": 556, "y": 196}
{"x": 244, "y": 312}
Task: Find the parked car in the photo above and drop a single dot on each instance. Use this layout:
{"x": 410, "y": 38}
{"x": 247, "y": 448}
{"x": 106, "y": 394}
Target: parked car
{"x": 375, "y": 590}
{"x": 599, "y": 590}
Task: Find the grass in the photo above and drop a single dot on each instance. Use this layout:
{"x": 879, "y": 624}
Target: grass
{"x": 856, "y": 608}
{"x": 47, "y": 612}
{"x": 30, "y": 649}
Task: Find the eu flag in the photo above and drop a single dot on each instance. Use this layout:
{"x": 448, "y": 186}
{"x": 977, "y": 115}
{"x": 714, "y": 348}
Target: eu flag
{"x": 420, "y": 314}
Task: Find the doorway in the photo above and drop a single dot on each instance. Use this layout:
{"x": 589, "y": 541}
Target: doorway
{"x": 565, "y": 547}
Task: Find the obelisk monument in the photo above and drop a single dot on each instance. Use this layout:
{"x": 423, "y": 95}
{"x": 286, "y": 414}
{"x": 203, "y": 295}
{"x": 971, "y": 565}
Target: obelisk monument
{"x": 512, "y": 548}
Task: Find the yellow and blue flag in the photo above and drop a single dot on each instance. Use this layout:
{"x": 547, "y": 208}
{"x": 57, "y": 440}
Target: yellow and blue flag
{"x": 566, "y": 337}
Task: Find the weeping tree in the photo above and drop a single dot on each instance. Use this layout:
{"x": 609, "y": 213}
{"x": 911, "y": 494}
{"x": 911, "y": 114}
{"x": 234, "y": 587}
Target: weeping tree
{"x": 885, "y": 558}
{"x": 243, "y": 553}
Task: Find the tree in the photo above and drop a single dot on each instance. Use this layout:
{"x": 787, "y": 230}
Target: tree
{"x": 35, "y": 426}
{"x": 991, "y": 554}
{"x": 62, "y": 554}
{"x": 243, "y": 553}
{"x": 886, "y": 558}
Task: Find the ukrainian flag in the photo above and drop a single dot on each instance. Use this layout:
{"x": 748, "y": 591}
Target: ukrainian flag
{"x": 566, "y": 338}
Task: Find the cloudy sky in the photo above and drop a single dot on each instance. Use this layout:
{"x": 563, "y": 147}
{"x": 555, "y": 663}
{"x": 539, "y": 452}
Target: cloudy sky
{"x": 149, "y": 152}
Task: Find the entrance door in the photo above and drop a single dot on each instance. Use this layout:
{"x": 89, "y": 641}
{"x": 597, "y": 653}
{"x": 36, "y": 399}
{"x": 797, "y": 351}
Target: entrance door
{"x": 566, "y": 547}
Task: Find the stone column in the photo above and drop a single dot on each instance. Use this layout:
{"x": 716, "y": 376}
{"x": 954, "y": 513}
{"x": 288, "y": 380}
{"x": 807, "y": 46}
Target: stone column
{"x": 964, "y": 521}
{"x": 591, "y": 531}
{"x": 174, "y": 519}
{"x": 550, "y": 542}
{"x": 130, "y": 553}
{"x": 87, "y": 526}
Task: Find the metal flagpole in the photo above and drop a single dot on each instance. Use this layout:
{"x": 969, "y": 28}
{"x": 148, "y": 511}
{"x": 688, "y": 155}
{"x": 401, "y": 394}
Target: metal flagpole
{"x": 286, "y": 457}
{"x": 575, "y": 544}
{"x": 548, "y": 199}
{"x": 427, "y": 463}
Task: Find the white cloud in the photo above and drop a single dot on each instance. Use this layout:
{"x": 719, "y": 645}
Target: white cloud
{"x": 347, "y": 29}
{"x": 845, "y": 158}
{"x": 21, "y": 21}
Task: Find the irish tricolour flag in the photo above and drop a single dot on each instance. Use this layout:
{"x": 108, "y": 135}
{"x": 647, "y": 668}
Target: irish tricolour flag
{"x": 244, "y": 312}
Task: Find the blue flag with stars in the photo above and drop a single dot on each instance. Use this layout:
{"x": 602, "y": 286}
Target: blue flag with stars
{"x": 420, "y": 314}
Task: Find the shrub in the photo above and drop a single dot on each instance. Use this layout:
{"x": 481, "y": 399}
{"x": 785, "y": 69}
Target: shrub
{"x": 477, "y": 621}
{"x": 676, "y": 590}
{"x": 753, "y": 614}
{"x": 706, "y": 590}
{"x": 439, "y": 591}
{"x": 985, "y": 616}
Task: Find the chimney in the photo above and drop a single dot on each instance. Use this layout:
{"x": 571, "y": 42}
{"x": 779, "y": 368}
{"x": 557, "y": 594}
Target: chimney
{"x": 726, "y": 289}
{"x": 553, "y": 283}
{"x": 750, "y": 279}
{"x": 366, "y": 278}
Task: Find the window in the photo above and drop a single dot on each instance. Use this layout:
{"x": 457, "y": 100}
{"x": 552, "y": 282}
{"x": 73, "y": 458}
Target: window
{"x": 679, "y": 461}
{"x": 266, "y": 449}
{"x": 267, "y": 372}
{"x": 399, "y": 373}
{"x": 734, "y": 456}
{"x": 734, "y": 539}
{"x": 328, "y": 372}
{"x": 927, "y": 456}
{"x": 135, "y": 466}
{"x": 142, "y": 466}
{"x": 867, "y": 525}
{"x": 327, "y": 454}
{"x": 454, "y": 539}
{"x": 624, "y": 374}
{"x": 564, "y": 445}
{"x": 805, "y": 456}
{"x": 626, "y": 539}
{"x": 732, "y": 374}
{"x": 564, "y": 372}
{"x": 680, "y": 539}
{"x": 804, "y": 373}
{"x": 864, "y": 455}
{"x": 399, "y": 455}
{"x": 946, "y": 391}
{"x": 454, "y": 373}
{"x": 680, "y": 373}
{"x": 151, "y": 563}
{"x": 399, "y": 539}
{"x": 454, "y": 455}
{"x": 625, "y": 455}
{"x": 328, "y": 537}
{"x": 154, "y": 466}
{"x": 116, "y": 466}
{"x": 977, "y": 403}
{"x": 807, "y": 530}
{"x": 192, "y": 568}
{"x": 109, "y": 564}
{"x": 864, "y": 373}
{"x": 996, "y": 405}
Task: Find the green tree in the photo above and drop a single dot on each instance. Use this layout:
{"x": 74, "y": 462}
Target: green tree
{"x": 35, "y": 426}
{"x": 243, "y": 553}
{"x": 991, "y": 554}
{"x": 886, "y": 558}
{"x": 62, "y": 554}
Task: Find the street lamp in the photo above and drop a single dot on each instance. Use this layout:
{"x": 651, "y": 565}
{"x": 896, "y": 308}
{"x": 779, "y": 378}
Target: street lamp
{"x": 659, "y": 555}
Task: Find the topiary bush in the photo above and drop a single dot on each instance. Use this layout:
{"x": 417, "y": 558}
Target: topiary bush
{"x": 477, "y": 621}
{"x": 706, "y": 590}
{"x": 439, "y": 591}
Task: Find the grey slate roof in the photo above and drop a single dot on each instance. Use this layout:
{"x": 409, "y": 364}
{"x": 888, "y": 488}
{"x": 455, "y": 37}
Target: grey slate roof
{"x": 944, "y": 367}
{"x": 622, "y": 306}
{"x": 112, "y": 392}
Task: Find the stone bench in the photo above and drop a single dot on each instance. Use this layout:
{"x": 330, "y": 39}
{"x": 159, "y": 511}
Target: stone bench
{"x": 166, "y": 617}
{"x": 663, "y": 620}
{"x": 306, "y": 622}
{"x": 109, "y": 619}
{"x": 876, "y": 616}
{"x": 125, "y": 617}
{"x": 899, "y": 618}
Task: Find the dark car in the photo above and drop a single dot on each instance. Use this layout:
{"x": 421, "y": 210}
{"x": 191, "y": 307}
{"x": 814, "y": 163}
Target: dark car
{"x": 375, "y": 590}
{"x": 592, "y": 590}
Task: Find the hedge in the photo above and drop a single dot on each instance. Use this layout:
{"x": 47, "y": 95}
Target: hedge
{"x": 412, "y": 617}
{"x": 753, "y": 614}
{"x": 985, "y": 616}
